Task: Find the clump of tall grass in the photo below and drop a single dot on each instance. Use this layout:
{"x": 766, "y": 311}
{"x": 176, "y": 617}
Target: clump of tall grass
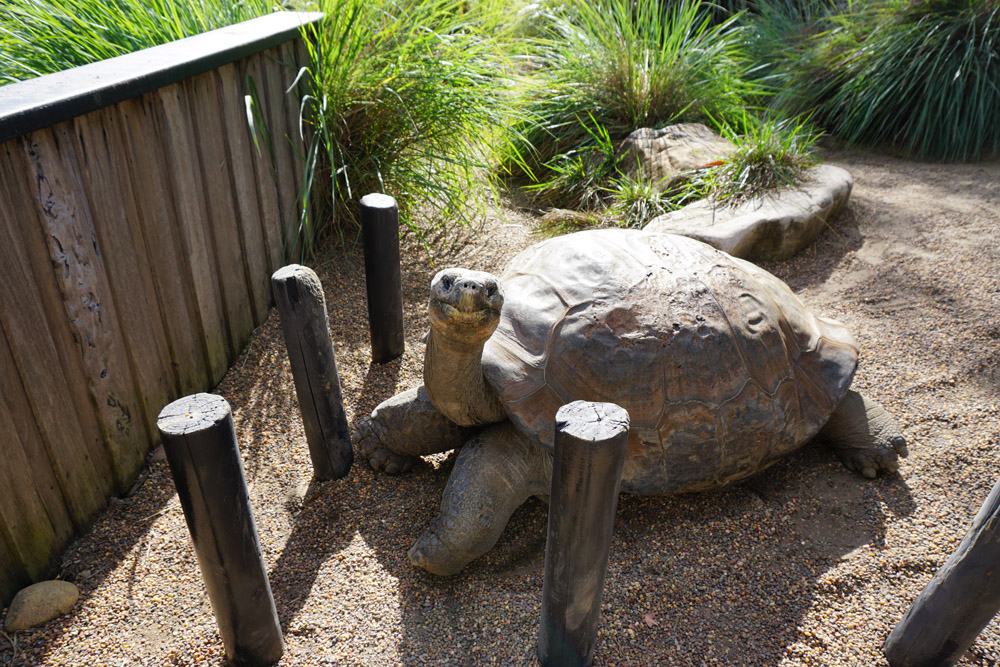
{"x": 779, "y": 33}
{"x": 578, "y": 178}
{"x": 921, "y": 76}
{"x": 770, "y": 154}
{"x": 45, "y": 36}
{"x": 403, "y": 99}
{"x": 608, "y": 67}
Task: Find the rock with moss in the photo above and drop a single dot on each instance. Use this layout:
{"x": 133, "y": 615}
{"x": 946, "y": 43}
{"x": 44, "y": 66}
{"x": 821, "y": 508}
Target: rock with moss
{"x": 768, "y": 227}
{"x": 662, "y": 156}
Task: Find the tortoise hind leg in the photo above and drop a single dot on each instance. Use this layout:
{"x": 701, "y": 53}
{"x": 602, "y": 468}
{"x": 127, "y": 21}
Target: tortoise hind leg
{"x": 865, "y": 437}
{"x": 404, "y": 427}
{"x": 494, "y": 474}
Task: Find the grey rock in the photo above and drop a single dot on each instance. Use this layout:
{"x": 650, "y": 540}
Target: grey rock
{"x": 662, "y": 155}
{"x": 40, "y": 603}
{"x": 768, "y": 228}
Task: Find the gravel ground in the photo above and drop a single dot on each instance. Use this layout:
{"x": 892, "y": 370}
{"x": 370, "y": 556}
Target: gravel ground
{"x": 805, "y": 564}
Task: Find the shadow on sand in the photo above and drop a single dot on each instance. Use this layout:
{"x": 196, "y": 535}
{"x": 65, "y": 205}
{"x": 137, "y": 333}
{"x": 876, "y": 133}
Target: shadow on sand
{"x": 720, "y": 575}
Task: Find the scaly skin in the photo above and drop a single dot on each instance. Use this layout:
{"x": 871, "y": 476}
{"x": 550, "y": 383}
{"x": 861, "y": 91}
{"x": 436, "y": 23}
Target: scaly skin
{"x": 864, "y": 436}
{"x": 404, "y": 427}
{"x": 464, "y": 312}
{"x": 494, "y": 474}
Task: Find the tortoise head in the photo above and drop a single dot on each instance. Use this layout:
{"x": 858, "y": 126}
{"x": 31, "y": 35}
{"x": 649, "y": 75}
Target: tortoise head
{"x": 465, "y": 305}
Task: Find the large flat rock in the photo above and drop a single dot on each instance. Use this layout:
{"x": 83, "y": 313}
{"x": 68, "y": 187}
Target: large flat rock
{"x": 768, "y": 228}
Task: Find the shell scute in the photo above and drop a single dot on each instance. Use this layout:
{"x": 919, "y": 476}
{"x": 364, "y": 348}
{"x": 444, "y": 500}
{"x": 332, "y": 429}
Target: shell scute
{"x": 721, "y": 367}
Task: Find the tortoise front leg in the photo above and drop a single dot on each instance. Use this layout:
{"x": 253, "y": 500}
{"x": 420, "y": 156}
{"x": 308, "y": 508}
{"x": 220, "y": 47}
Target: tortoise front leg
{"x": 404, "y": 427}
{"x": 494, "y": 474}
{"x": 865, "y": 437}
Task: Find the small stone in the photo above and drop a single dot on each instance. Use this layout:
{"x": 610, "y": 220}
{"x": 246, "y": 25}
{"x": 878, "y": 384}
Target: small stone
{"x": 40, "y": 603}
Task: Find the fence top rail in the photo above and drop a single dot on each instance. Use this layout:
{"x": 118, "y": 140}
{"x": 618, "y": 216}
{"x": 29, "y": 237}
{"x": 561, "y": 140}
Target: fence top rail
{"x": 32, "y": 104}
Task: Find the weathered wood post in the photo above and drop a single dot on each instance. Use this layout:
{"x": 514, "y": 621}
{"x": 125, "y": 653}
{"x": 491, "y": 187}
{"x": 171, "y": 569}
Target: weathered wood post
{"x": 200, "y": 444}
{"x": 302, "y": 308}
{"x": 380, "y": 237}
{"x": 957, "y": 603}
{"x": 589, "y": 455}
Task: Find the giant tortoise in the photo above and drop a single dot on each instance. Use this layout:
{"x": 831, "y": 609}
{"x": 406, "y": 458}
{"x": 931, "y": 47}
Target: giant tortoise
{"x": 721, "y": 368}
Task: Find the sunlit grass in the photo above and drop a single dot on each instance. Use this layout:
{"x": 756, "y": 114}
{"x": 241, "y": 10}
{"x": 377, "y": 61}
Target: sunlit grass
{"x": 403, "y": 99}
{"x": 920, "y": 76}
{"x": 769, "y": 155}
{"x": 608, "y": 67}
{"x": 44, "y": 36}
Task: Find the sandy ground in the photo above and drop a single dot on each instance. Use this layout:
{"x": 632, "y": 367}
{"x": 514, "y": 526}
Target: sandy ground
{"x": 805, "y": 564}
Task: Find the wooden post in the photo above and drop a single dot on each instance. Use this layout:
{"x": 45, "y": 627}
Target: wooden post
{"x": 200, "y": 444}
{"x": 302, "y": 308}
{"x": 380, "y": 237}
{"x": 957, "y": 603}
{"x": 586, "y": 476}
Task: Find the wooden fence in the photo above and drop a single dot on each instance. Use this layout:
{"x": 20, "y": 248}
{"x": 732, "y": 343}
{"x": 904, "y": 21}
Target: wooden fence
{"x": 139, "y": 227}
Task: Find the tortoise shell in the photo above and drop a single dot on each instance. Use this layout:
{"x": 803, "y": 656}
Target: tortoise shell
{"x": 721, "y": 368}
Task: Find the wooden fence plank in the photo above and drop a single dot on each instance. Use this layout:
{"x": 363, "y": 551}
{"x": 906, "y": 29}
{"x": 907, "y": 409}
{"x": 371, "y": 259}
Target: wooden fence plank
{"x": 223, "y": 214}
{"x": 12, "y": 575}
{"x": 45, "y": 354}
{"x": 136, "y": 248}
{"x": 147, "y": 166}
{"x": 100, "y": 149}
{"x": 315, "y": 203}
{"x": 89, "y": 307}
{"x": 264, "y": 167}
{"x": 284, "y": 164}
{"x": 287, "y": 69}
{"x": 240, "y": 148}
{"x": 25, "y": 424}
{"x": 177, "y": 142}
{"x": 22, "y": 511}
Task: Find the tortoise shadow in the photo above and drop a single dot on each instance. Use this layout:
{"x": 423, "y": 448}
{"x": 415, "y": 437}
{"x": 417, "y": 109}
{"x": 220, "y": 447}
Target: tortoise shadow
{"x": 839, "y": 238}
{"x": 724, "y": 575}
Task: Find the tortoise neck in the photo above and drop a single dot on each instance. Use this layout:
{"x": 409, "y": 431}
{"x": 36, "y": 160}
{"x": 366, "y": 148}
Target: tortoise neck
{"x": 453, "y": 378}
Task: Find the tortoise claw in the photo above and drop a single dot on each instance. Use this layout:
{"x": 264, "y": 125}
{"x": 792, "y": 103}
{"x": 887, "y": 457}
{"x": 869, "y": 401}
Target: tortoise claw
{"x": 898, "y": 443}
{"x": 379, "y": 457}
{"x": 869, "y": 461}
{"x": 865, "y": 437}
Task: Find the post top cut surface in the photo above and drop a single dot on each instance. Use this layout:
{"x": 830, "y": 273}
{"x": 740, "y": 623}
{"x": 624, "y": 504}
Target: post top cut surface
{"x": 297, "y": 274}
{"x": 587, "y": 420}
{"x": 192, "y": 413}
{"x": 290, "y": 271}
{"x": 378, "y": 200}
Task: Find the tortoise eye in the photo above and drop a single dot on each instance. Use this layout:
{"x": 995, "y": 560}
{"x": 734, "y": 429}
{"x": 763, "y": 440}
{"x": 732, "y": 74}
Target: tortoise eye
{"x": 491, "y": 291}
{"x": 446, "y": 281}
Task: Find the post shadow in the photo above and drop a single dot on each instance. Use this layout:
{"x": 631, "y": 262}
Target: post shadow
{"x": 318, "y": 532}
